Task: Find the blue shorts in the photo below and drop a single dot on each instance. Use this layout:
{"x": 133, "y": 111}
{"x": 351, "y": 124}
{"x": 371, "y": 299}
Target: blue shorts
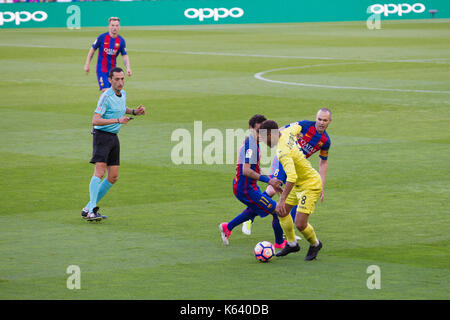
{"x": 277, "y": 171}
{"x": 103, "y": 82}
{"x": 259, "y": 202}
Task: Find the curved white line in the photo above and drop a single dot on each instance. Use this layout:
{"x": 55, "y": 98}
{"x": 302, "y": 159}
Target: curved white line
{"x": 259, "y": 76}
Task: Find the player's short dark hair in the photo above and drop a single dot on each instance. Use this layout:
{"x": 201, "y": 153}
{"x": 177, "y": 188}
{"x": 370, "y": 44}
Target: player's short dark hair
{"x": 257, "y": 118}
{"x": 116, "y": 69}
{"x": 269, "y": 125}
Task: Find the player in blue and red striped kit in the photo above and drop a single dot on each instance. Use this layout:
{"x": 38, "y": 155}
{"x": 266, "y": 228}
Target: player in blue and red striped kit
{"x": 109, "y": 45}
{"x": 248, "y": 172}
{"x": 314, "y": 139}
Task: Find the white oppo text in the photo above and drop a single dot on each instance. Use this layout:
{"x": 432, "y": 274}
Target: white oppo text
{"x": 399, "y": 9}
{"x": 216, "y": 13}
{"x": 22, "y": 16}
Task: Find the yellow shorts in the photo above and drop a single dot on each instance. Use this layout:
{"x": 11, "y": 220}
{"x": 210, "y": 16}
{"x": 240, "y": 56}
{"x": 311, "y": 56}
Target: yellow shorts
{"x": 305, "y": 197}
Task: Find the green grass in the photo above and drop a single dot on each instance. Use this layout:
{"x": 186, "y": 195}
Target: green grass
{"x": 388, "y": 181}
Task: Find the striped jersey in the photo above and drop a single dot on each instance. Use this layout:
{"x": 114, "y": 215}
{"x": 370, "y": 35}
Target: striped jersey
{"x": 109, "y": 49}
{"x": 312, "y": 141}
{"x": 249, "y": 153}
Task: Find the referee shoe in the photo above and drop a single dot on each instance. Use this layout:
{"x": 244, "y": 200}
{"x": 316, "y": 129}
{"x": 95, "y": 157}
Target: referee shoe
{"x": 94, "y": 215}
{"x": 85, "y": 212}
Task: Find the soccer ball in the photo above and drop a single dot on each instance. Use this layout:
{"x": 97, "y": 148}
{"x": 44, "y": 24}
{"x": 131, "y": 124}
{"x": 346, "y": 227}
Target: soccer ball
{"x": 264, "y": 251}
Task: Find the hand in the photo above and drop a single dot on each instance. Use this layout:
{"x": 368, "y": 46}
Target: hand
{"x": 86, "y": 68}
{"x": 276, "y": 184}
{"x": 124, "y": 120}
{"x": 140, "y": 110}
{"x": 321, "y": 196}
{"x": 281, "y": 208}
{"x": 129, "y": 73}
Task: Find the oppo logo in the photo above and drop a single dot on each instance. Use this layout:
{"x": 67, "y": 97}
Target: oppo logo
{"x": 22, "y": 16}
{"x": 399, "y": 9}
{"x": 216, "y": 13}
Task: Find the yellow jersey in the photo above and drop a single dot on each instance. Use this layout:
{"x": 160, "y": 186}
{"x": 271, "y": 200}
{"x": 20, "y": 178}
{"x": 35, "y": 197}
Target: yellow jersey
{"x": 298, "y": 170}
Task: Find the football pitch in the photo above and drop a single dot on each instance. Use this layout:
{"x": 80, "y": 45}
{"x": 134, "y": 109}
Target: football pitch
{"x": 387, "y": 187}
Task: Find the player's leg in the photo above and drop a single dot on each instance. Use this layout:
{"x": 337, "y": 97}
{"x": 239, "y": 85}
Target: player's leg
{"x": 276, "y": 171}
{"x": 245, "y": 215}
{"x": 257, "y": 204}
{"x": 113, "y": 168}
{"x": 94, "y": 186}
{"x": 103, "y": 82}
{"x": 280, "y": 243}
{"x": 265, "y": 206}
{"x": 102, "y": 146}
{"x": 308, "y": 199}
{"x": 288, "y": 227}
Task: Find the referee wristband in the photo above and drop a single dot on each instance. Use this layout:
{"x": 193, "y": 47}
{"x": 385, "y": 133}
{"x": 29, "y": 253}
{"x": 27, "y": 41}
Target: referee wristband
{"x": 264, "y": 179}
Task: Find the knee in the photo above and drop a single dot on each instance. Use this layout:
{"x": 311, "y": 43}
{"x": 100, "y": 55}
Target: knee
{"x": 113, "y": 179}
{"x": 99, "y": 174}
{"x": 282, "y": 215}
{"x": 301, "y": 225}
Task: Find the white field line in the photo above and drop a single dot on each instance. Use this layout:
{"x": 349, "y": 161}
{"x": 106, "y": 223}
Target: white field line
{"x": 235, "y": 54}
{"x": 259, "y": 76}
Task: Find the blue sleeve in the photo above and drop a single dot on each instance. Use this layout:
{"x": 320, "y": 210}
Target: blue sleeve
{"x": 97, "y": 42}
{"x": 323, "y": 154}
{"x": 123, "y": 48}
{"x": 250, "y": 152}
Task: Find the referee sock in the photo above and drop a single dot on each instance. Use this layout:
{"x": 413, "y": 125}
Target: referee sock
{"x": 94, "y": 186}
{"x": 245, "y": 215}
{"x": 103, "y": 189}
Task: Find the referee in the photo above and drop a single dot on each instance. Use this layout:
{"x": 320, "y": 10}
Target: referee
{"x": 109, "y": 116}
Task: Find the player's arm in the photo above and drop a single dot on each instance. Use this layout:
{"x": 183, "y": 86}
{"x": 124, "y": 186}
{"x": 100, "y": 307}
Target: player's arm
{"x": 323, "y": 156}
{"x": 97, "y": 120}
{"x": 88, "y": 59}
{"x": 126, "y": 62}
{"x": 291, "y": 178}
{"x": 323, "y": 174}
{"x": 140, "y": 110}
{"x": 249, "y": 172}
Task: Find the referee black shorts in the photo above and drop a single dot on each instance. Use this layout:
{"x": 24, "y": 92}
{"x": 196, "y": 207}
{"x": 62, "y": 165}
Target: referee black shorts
{"x": 106, "y": 148}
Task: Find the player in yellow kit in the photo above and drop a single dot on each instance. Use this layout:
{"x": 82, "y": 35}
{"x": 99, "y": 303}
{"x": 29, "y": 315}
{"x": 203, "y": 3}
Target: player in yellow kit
{"x": 303, "y": 188}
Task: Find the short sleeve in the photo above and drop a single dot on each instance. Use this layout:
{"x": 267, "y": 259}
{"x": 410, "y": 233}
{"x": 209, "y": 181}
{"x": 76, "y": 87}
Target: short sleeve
{"x": 97, "y": 42}
{"x": 324, "y": 150}
{"x": 101, "y": 105}
{"x": 250, "y": 152}
{"x": 123, "y": 48}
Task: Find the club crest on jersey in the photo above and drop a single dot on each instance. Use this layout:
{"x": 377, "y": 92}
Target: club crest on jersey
{"x": 249, "y": 153}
